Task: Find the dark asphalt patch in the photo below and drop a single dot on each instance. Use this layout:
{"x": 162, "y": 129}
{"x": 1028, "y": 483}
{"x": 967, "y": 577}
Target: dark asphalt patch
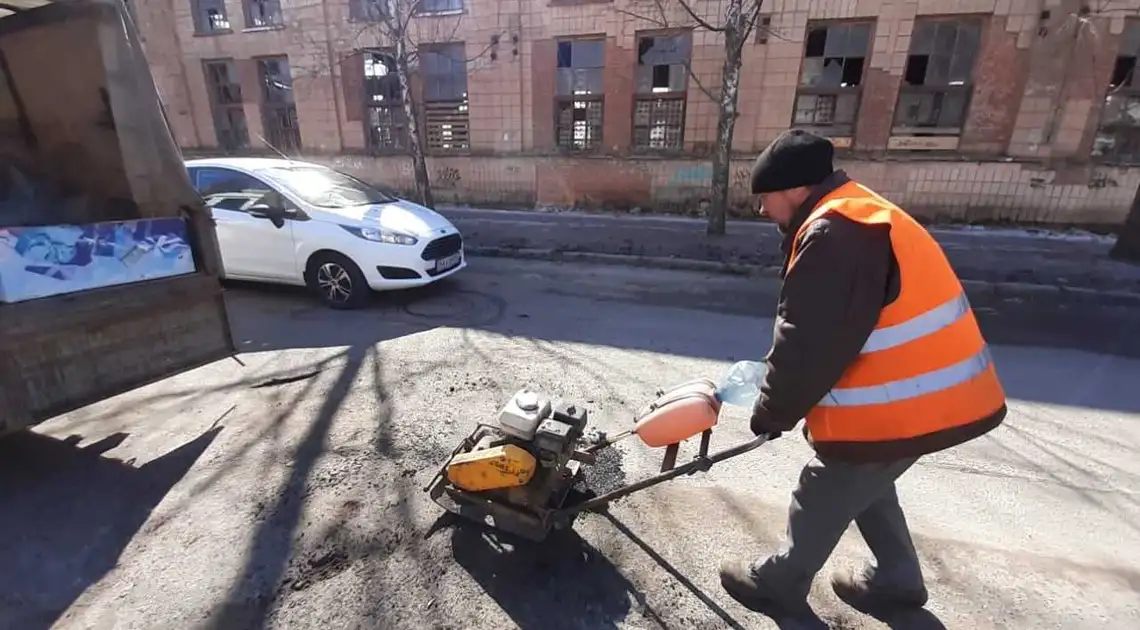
{"x": 461, "y": 307}
{"x": 604, "y": 476}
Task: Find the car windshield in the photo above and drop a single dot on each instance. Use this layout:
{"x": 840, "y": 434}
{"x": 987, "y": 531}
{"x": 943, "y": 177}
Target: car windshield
{"x": 326, "y": 188}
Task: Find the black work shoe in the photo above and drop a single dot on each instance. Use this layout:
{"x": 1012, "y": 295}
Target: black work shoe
{"x": 859, "y": 591}
{"x": 741, "y": 583}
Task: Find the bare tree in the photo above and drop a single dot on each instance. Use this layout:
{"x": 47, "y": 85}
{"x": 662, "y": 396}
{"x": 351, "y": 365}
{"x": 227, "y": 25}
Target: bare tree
{"x": 395, "y": 20}
{"x": 395, "y": 29}
{"x": 734, "y": 27}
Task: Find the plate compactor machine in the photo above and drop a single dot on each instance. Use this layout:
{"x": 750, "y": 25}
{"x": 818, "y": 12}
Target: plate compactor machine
{"x": 521, "y": 474}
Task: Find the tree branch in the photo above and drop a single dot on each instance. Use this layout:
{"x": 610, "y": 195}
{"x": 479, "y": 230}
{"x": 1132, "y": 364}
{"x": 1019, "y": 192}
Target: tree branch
{"x": 662, "y": 23}
{"x": 700, "y": 86}
{"x": 699, "y": 20}
{"x": 750, "y": 21}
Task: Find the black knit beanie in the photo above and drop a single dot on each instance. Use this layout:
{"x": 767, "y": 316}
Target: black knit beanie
{"x": 795, "y": 158}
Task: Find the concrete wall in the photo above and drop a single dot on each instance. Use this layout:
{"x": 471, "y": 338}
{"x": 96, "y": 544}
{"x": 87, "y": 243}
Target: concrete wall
{"x": 1023, "y": 153}
{"x": 935, "y": 190}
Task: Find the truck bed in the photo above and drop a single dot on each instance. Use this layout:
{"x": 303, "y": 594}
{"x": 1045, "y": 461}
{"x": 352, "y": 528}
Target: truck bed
{"x": 75, "y": 350}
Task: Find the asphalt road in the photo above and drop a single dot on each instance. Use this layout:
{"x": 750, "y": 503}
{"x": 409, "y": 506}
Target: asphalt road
{"x": 285, "y": 491}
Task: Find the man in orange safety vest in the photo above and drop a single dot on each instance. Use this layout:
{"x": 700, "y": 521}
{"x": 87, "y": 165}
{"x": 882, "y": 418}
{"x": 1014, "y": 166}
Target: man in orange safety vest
{"x": 876, "y": 347}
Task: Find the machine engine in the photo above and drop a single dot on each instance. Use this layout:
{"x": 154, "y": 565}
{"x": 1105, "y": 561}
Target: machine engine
{"x": 527, "y": 457}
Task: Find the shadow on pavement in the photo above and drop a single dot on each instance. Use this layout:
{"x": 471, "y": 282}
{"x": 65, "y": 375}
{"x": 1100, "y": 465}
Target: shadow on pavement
{"x": 921, "y": 619}
{"x": 269, "y": 317}
{"x": 68, "y": 513}
{"x": 673, "y": 313}
{"x": 562, "y": 582}
{"x": 727, "y": 618}
{"x": 252, "y": 595}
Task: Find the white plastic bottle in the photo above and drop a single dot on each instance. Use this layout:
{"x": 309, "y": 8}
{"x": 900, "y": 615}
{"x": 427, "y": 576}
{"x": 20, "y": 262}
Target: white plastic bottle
{"x": 740, "y": 385}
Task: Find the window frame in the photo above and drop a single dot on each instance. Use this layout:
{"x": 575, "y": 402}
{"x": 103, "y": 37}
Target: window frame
{"x": 966, "y": 88}
{"x": 357, "y": 12}
{"x": 198, "y": 9}
{"x": 247, "y": 14}
{"x": 271, "y": 107}
{"x": 562, "y": 101}
{"x": 371, "y": 106}
{"x": 419, "y": 11}
{"x": 445, "y": 107}
{"x": 1127, "y": 93}
{"x": 235, "y": 103}
{"x": 656, "y": 98}
{"x": 830, "y": 129}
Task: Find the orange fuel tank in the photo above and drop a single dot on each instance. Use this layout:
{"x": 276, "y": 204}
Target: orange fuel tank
{"x": 678, "y": 414}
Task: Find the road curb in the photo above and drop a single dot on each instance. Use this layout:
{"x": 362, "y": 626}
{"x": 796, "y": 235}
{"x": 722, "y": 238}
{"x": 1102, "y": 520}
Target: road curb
{"x": 1023, "y": 290}
{"x": 629, "y": 260}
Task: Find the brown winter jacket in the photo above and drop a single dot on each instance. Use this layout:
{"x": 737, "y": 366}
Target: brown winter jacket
{"x": 829, "y": 304}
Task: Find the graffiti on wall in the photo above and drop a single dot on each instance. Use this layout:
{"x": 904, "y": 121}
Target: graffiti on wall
{"x": 741, "y": 177}
{"x": 691, "y": 175}
{"x": 447, "y": 177}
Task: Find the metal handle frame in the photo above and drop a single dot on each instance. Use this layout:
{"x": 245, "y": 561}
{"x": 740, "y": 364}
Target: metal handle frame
{"x": 702, "y": 462}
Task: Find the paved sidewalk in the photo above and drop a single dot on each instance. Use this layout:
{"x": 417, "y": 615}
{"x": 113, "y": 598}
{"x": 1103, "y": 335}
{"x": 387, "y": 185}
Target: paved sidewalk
{"x": 1018, "y": 260}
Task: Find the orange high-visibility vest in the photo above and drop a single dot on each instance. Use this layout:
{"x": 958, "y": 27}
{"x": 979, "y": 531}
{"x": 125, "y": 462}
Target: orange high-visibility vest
{"x": 925, "y": 368}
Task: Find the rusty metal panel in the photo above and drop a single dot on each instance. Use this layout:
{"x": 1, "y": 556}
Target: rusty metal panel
{"x": 71, "y": 351}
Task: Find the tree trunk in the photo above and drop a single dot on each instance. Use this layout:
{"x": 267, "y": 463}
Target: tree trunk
{"x": 1128, "y": 238}
{"x": 415, "y": 142}
{"x": 726, "y": 119}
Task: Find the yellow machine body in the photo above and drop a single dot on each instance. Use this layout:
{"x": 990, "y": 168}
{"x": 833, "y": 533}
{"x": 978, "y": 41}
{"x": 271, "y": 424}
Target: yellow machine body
{"x": 505, "y": 466}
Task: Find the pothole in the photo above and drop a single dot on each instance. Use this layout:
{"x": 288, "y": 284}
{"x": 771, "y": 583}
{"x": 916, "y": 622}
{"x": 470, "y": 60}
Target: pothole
{"x": 466, "y": 307}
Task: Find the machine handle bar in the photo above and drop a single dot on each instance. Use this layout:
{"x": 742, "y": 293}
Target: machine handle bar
{"x": 701, "y": 462}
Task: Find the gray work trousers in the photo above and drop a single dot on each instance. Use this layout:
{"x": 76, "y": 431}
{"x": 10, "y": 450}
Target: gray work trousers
{"x": 830, "y": 495}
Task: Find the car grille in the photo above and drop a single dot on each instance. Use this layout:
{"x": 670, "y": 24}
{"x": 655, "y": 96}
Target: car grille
{"x": 442, "y": 247}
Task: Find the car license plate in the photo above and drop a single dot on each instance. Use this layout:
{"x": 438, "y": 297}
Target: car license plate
{"x": 443, "y": 264}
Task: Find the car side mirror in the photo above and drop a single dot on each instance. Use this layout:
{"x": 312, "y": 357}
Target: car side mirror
{"x": 262, "y": 211}
{"x": 276, "y": 216}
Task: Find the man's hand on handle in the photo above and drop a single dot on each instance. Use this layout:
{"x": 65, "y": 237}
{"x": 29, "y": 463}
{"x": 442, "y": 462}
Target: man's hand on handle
{"x": 761, "y": 423}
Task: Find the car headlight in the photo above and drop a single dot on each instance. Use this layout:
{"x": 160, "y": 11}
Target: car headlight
{"x": 382, "y": 236}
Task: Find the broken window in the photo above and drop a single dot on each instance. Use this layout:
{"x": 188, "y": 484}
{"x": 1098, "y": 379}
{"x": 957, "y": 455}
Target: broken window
{"x": 936, "y": 85}
{"x": 827, "y": 98}
{"x": 660, "y": 84}
{"x": 446, "y": 117}
{"x": 262, "y": 13}
{"x": 210, "y": 16}
{"x": 384, "y": 104}
{"x": 278, "y": 107}
{"x": 439, "y": 6}
{"x": 224, "y": 90}
{"x": 367, "y": 10}
{"x": 579, "y": 95}
{"x": 1118, "y": 135}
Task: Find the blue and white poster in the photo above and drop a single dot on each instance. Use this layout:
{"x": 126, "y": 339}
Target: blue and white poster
{"x": 38, "y": 262}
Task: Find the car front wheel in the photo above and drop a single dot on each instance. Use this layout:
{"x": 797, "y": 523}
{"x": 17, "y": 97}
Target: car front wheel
{"x": 337, "y": 281}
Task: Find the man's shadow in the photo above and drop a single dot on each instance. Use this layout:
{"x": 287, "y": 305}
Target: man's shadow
{"x": 66, "y": 515}
{"x": 916, "y": 619}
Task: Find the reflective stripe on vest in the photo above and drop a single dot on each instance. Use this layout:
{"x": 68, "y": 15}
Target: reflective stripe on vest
{"x": 920, "y": 385}
{"x": 919, "y": 326}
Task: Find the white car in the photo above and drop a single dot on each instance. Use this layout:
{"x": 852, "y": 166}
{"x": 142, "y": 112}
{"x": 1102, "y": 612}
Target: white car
{"x": 289, "y": 222}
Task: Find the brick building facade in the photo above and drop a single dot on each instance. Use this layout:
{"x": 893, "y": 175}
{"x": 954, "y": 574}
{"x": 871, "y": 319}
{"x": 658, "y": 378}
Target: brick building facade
{"x": 999, "y": 110}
